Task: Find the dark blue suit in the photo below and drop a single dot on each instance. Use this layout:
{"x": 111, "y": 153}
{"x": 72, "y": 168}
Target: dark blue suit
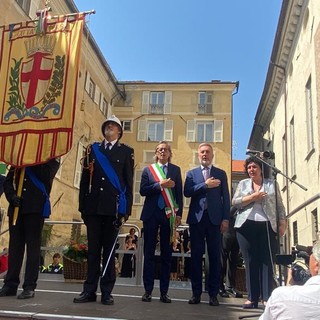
{"x": 208, "y": 229}
{"x": 153, "y": 217}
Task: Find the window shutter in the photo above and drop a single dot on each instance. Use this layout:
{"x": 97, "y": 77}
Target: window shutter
{"x": 101, "y": 102}
{"x": 78, "y": 170}
{"x": 87, "y": 84}
{"x": 168, "y": 130}
{"x": 209, "y": 103}
{"x": 142, "y": 130}
{"x": 97, "y": 95}
{"x": 218, "y": 131}
{"x": 191, "y": 132}
{"x": 145, "y": 102}
{"x": 167, "y": 102}
{"x": 137, "y": 198}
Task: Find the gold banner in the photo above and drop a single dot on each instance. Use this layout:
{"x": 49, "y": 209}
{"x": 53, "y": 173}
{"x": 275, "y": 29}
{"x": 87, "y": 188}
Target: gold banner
{"x": 38, "y": 76}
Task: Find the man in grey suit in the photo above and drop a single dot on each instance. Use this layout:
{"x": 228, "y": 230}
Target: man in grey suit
{"x": 208, "y": 217}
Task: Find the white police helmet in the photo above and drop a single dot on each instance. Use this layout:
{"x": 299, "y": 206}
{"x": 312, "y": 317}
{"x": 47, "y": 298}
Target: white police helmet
{"x": 114, "y": 119}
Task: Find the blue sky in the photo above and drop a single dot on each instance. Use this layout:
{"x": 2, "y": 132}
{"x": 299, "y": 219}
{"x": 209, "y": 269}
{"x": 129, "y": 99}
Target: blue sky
{"x": 191, "y": 40}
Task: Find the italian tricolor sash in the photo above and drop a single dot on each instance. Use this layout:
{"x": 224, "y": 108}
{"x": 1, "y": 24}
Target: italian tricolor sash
{"x": 171, "y": 205}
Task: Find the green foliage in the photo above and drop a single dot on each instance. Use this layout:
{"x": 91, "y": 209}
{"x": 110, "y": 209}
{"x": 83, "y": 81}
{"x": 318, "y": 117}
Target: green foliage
{"x": 77, "y": 251}
{"x": 56, "y": 83}
{"x": 14, "y": 92}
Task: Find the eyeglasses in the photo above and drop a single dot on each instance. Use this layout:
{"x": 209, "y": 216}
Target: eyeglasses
{"x": 162, "y": 149}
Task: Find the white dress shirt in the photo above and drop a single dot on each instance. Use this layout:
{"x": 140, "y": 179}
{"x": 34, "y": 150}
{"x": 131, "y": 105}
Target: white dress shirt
{"x": 294, "y": 302}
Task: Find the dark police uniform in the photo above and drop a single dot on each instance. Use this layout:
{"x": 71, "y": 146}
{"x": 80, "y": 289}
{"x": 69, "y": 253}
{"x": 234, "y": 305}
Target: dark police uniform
{"x": 98, "y": 206}
{"x": 28, "y": 228}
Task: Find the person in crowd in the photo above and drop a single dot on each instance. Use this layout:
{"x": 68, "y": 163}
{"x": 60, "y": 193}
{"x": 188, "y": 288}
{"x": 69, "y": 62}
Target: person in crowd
{"x": 34, "y": 207}
{"x": 259, "y": 202}
{"x": 161, "y": 185}
{"x": 105, "y": 202}
{"x": 208, "y": 217}
{"x": 295, "y": 301}
{"x": 186, "y": 249}
{"x": 229, "y": 260}
{"x": 4, "y": 261}
{"x": 176, "y": 248}
{"x": 133, "y": 236}
{"x": 55, "y": 266}
{"x": 129, "y": 259}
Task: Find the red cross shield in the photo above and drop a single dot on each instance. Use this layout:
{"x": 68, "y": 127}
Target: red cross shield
{"x": 35, "y": 77}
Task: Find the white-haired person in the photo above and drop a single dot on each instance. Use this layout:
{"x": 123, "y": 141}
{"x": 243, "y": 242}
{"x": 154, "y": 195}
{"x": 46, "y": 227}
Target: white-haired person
{"x": 295, "y": 301}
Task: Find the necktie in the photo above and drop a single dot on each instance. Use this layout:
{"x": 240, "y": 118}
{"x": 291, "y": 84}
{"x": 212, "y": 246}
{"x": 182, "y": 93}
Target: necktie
{"x": 206, "y": 173}
{"x": 108, "y": 146}
{"x": 161, "y": 203}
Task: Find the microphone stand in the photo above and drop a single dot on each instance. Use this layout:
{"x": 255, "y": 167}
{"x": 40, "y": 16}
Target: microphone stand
{"x": 275, "y": 172}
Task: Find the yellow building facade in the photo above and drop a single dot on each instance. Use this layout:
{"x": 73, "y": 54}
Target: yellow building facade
{"x": 184, "y": 114}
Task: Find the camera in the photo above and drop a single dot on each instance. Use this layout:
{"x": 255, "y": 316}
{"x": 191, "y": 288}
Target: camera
{"x": 298, "y": 261}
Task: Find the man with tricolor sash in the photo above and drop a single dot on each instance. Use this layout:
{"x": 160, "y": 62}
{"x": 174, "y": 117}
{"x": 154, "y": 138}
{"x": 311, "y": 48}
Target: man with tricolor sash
{"x": 161, "y": 185}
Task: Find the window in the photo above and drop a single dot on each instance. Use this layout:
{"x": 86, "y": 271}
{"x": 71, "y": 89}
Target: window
{"x": 78, "y": 170}
{"x": 103, "y": 105}
{"x": 292, "y": 149}
{"x": 204, "y": 102}
{"x": 315, "y": 225}
{"x": 126, "y": 125}
{"x": 90, "y": 87}
{"x": 156, "y": 102}
{"x": 284, "y": 167}
{"x": 137, "y": 198}
{"x": 295, "y": 232}
{"x": 25, "y": 5}
{"x": 205, "y": 131}
{"x": 309, "y": 113}
{"x": 155, "y": 130}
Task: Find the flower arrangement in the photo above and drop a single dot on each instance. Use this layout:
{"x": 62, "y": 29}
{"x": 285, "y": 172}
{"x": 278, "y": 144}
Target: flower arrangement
{"x": 77, "y": 252}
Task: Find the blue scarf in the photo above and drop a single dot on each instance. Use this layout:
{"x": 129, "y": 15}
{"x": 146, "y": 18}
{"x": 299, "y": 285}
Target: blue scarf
{"x": 39, "y": 184}
{"x": 113, "y": 178}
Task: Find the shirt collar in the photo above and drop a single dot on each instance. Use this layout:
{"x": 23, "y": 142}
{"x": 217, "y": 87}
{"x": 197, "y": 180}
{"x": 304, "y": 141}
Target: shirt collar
{"x": 112, "y": 142}
{"x": 209, "y": 167}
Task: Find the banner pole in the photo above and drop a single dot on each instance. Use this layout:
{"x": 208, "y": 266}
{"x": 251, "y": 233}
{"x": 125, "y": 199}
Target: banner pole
{"x": 19, "y": 191}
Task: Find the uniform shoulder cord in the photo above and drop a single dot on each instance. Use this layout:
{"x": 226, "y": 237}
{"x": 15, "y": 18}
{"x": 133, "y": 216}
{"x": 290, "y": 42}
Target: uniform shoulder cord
{"x": 90, "y": 164}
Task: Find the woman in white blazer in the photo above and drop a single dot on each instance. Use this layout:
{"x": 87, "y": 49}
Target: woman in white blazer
{"x": 260, "y": 208}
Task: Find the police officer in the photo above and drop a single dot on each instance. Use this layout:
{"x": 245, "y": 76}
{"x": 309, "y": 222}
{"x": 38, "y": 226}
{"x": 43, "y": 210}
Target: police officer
{"x": 33, "y": 209}
{"x": 105, "y": 201}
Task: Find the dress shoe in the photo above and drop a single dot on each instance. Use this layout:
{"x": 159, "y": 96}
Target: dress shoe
{"x": 223, "y": 293}
{"x": 7, "y": 291}
{"x": 107, "y": 299}
{"x": 194, "y": 300}
{"x": 26, "y": 294}
{"x": 213, "y": 301}
{"x": 165, "y": 298}
{"x": 147, "y": 297}
{"x": 234, "y": 292}
{"x": 250, "y": 305}
{"x": 85, "y": 297}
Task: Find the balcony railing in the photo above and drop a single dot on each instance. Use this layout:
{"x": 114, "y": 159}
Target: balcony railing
{"x": 204, "y": 108}
{"x": 156, "y": 109}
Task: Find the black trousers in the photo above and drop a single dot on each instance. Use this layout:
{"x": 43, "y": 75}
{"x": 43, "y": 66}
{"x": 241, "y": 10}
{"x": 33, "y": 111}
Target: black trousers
{"x": 257, "y": 243}
{"x": 25, "y": 234}
{"x": 158, "y": 223}
{"x": 101, "y": 237}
